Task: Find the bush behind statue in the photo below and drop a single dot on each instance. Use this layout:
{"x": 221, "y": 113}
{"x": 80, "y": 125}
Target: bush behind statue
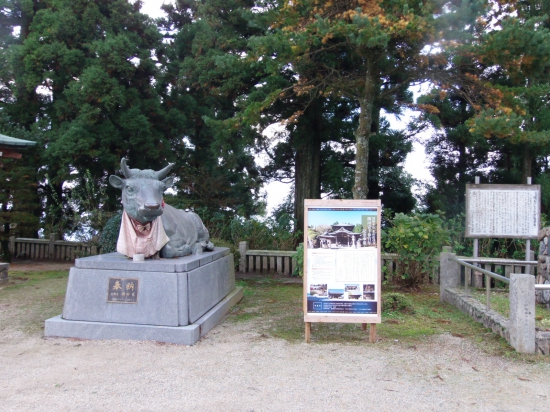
{"x": 109, "y": 235}
{"x": 417, "y": 239}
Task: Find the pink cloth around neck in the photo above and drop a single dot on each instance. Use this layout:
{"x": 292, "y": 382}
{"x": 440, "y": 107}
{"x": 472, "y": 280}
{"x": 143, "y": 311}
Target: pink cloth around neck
{"x": 135, "y": 238}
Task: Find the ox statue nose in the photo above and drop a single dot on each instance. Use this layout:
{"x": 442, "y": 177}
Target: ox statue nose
{"x": 152, "y": 205}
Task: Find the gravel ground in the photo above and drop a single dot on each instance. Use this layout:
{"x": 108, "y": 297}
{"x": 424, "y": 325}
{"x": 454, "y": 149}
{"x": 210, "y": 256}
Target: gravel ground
{"x": 236, "y": 368}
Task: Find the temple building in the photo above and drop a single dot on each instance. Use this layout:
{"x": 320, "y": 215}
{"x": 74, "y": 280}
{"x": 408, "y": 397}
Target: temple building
{"x": 342, "y": 236}
{"x": 10, "y": 146}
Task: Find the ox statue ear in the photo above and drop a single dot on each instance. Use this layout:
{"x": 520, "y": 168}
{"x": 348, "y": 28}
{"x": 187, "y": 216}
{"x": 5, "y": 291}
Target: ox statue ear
{"x": 168, "y": 182}
{"x": 116, "y": 181}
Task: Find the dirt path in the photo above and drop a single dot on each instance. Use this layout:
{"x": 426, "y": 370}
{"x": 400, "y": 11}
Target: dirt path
{"x": 237, "y": 369}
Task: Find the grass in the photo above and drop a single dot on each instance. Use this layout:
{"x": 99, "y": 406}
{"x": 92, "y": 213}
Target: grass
{"x": 275, "y": 309}
{"x": 500, "y": 303}
{"x": 30, "y": 298}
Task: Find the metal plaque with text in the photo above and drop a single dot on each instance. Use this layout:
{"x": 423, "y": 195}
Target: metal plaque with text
{"x": 122, "y": 290}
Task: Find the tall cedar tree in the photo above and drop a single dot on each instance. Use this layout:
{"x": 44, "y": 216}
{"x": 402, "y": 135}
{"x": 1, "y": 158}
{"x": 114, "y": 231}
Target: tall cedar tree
{"x": 90, "y": 67}
{"x": 367, "y": 51}
{"x": 19, "y": 202}
{"x": 495, "y": 57}
{"x": 204, "y": 78}
{"x": 19, "y": 209}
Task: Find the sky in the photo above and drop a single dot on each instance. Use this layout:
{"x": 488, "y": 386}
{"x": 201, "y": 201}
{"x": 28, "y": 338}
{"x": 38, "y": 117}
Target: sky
{"x": 416, "y": 162}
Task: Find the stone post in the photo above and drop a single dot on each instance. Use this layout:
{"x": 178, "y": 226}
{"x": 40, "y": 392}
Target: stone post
{"x": 12, "y": 245}
{"x": 51, "y": 246}
{"x": 243, "y": 247}
{"x": 449, "y": 276}
{"x": 522, "y": 312}
{"x": 4, "y": 273}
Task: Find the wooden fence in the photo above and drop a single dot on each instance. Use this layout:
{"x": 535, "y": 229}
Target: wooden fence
{"x": 251, "y": 261}
{"x": 50, "y": 249}
{"x": 282, "y": 262}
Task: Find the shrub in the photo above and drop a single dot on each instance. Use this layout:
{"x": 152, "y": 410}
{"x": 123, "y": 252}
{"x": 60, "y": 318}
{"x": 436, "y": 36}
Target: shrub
{"x": 109, "y": 234}
{"x": 232, "y": 248}
{"x": 396, "y": 302}
{"x": 299, "y": 256}
{"x": 417, "y": 240}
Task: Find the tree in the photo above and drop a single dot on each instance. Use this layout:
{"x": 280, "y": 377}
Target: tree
{"x": 204, "y": 80}
{"x": 366, "y": 51}
{"x": 456, "y": 155}
{"x": 88, "y": 70}
{"x": 516, "y": 61}
{"x": 18, "y": 207}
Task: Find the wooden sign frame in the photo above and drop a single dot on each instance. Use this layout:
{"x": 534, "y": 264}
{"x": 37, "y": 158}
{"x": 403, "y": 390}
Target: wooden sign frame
{"x": 349, "y": 262}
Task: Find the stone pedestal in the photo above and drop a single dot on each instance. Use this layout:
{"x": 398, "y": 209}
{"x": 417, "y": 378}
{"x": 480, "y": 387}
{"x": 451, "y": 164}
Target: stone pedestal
{"x": 170, "y": 300}
{"x": 4, "y": 273}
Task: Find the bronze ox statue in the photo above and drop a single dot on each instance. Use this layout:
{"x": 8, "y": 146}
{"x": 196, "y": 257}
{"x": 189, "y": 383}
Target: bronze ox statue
{"x": 179, "y": 232}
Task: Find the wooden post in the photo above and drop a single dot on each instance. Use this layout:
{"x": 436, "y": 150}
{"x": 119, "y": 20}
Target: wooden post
{"x": 372, "y": 333}
{"x": 363, "y": 326}
{"x": 308, "y": 332}
{"x": 243, "y": 247}
{"x": 287, "y": 266}
{"x": 528, "y": 242}
{"x": 51, "y": 251}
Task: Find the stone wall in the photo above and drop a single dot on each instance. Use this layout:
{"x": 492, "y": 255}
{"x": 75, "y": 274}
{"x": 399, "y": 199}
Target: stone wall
{"x": 476, "y": 310}
{"x": 492, "y": 320}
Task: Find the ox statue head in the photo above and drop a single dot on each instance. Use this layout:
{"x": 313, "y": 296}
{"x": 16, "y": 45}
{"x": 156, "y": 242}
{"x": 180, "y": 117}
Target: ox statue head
{"x": 142, "y": 191}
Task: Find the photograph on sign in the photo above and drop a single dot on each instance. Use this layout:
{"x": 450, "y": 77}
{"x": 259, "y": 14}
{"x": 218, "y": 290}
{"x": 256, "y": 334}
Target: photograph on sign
{"x": 503, "y": 211}
{"x": 342, "y": 260}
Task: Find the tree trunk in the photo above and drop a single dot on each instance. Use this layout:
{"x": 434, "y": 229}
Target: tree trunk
{"x": 527, "y": 163}
{"x": 307, "y": 183}
{"x": 363, "y": 133}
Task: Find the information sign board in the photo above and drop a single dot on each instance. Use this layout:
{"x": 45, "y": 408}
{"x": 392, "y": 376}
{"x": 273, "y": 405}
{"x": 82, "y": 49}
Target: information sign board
{"x": 503, "y": 211}
{"x": 342, "y": 270}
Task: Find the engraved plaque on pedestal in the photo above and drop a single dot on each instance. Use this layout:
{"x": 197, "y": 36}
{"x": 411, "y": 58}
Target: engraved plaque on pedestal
{"x": 122, "y": 290}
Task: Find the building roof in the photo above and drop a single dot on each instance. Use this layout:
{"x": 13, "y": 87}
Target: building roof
{"x": 13, "y": 143}
{"x": 344, "y": 231}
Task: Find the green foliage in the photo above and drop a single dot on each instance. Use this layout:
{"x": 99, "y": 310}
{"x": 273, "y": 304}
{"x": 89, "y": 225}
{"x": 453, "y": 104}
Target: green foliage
{"x": 19, "y": 202}
{"x": 417, "y": 239}
{"x": 203, "y": 83}
{"x": 487, "y": 247}
{"x": 269, "y": 234}
{"x": 81, "y": 208}
{"x": 109, "y": 235}
{"x": 274, "y": 233}
{"x": 396, "y": 302}
{"x": 299, "y": 256}
{"x": 233, "y": 248}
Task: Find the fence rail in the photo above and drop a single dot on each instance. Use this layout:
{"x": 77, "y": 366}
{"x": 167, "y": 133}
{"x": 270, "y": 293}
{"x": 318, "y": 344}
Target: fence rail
{"x": 519, "y": 329}
{"x": 283, "y": 263}
{"x": 50, "y": 249}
